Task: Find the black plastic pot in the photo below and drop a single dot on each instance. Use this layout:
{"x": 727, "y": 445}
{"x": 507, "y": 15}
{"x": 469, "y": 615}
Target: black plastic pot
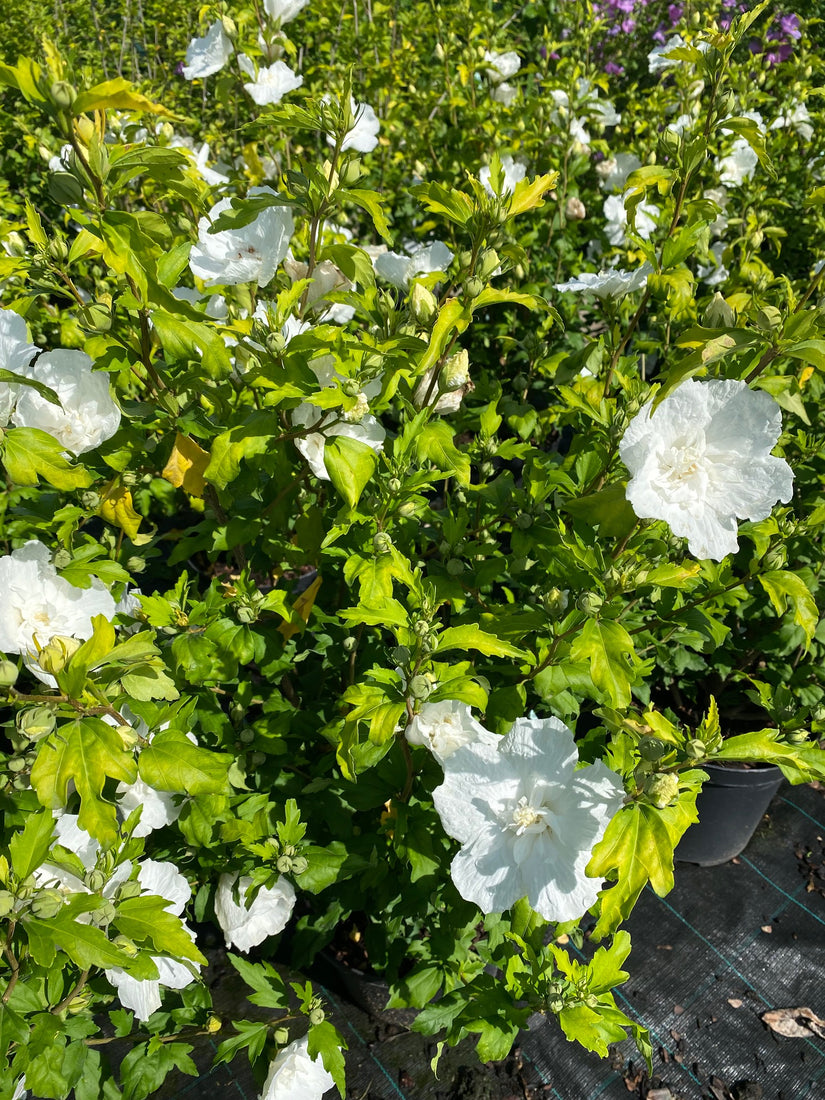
{"x": 730, "y": 805}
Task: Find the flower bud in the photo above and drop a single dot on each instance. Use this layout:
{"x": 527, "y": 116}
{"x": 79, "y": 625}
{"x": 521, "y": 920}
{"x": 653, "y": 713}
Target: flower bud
{"x": 281, "y": 1036}
{"x": 54, "y": 657}
{"x": 421, "y": 627}
{"x": 696, "y": 749}
{"x": 36, "y": 723}
{"x": 719, "y": 314}
{"x": 62, "y": 94}
{"x": 317, "y": 1016}
{"x": 65, "y": 188}
{"x": 775, "y": 558}
{"x": 423, "y": 303}
{"x": 8, "y": 673}
{"x": 524, "y": 521}
{"x": 14, "y": 244}
{"x": 419, "y": 687}
{"x": 6, "y": 903}
{"x": 299, "y": 865}
{"x": 590, "y": 603}
{"x": 575, "y": 209}
{"x": 350, "y": 387}
{"x": 349, "y": 644}
{"x": 455, "y": 567}
{"x": 660, "y": 789}
{"x": 394, "y": 485}
{"x": 128, "y": 736}
{"x": 465, "y": 258}
{"x": 95, "y": 880}
{"x": 351, "y": 172}
{"x": 284, "y": 865}
{"x": 129, "y": 890}
{"x": 89, "y": 499}
{"x": 473, "y": 287}
{"x": 47, "y": 904}
{"x": 456, "y": 371}
{"x": 127, "y": 946}
{"x": 229, "y": 28}
{"x": 58, "y": 250}
{"x": 652, "y": 749}
{"x": 104, "y": 914}
{"x": 488, "y": 262}
{"x": 246, "y": 614}
{"x": 556, "y": 1005}
{"x": 555, "y": 601}
{"x": 439, "y": 52}
{"x": 382, "y": 543}
{"x": 797, "y": 737}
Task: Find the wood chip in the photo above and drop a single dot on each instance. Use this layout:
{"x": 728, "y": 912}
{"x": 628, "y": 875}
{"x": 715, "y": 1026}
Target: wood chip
{"x": 794, "y": 1023}
{"x": 677, "y": 1010}
{"x": 660, "y": 1094}
{"x": 734, "y": 1002}
{"x": 767, "y": 928}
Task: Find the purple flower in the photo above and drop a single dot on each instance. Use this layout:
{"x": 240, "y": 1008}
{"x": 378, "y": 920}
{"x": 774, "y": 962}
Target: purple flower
{"x": 675, "y": 13}
{"x": 613, "y": 69}
{"x": 788, "y": 26}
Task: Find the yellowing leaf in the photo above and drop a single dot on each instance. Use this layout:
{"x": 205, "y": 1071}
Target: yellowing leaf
{"x": 303, "y": 605}
{"x": 116, "y": 94}
{"x": 528, "y": 193}
{"x": 187, "y": 465}
{"x": 116, "y": 508}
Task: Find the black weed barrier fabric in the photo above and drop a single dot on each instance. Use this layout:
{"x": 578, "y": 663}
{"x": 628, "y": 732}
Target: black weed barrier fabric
{"x": 726, "y": 945}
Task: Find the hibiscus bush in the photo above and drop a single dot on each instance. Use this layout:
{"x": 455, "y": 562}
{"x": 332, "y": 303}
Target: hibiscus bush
{"x": 413, "y": 477}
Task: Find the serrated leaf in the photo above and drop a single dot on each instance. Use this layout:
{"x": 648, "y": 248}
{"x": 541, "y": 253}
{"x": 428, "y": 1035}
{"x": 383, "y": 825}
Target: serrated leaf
{"x": 172, "y": 763}
{"x": 29, "y": 453}
{"x": 471, "y": 636}
{"x": 609, "y": 649}
{"x": 117, "y": 94}
{"x": 784, "y": 587}
{"x": 435, "y": 443}
{"x": 328, "y": 1044}
{"x": 86, "y": 751}
{"x": 146, "y": 921}
{"x": 29, "y": 847}
{"x": 350, "y": 465}
{"x": 637, "y": 848}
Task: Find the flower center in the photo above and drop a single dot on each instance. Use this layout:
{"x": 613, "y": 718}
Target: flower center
{"x": 528, "y": 818}
{"x": 684, "y": 460}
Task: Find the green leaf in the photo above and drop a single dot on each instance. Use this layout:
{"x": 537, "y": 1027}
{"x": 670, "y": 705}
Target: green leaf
{"x": 86, "y": 752}
{"x": 637, "y": 848}
{"x": 799, "y": 763}
{"x": 196, "y": 340}
{"x": 784, "y": 587}
{"x": 435, "y": 444}
{"x": 117, "y": 94}
{"x": 264, "y": 979}
{"x": 21, "y": 380}
{"x": 471, "y": 636}
{"x": 29, "y": 847}
{"x": 609, "y": 649}
{"x": 453, "y": 205}
{"x": 453, "y": 317}
{"x": 253, "y": 437}
{"x": 371, "y": 202}
{"x": 251, "y": 1035}
{"x": 609, "y": 509}
{"x": 592, "y": 1027}
{"x": 325, "y": 1041}
{"x": 350, "y": 465}
{"x": 172, "y": 763}
{"x": 145, "y": 1067}
{"x": 146, "y": 920}
{"x": 29, "y": 453}
{"x": 85, "y": 944}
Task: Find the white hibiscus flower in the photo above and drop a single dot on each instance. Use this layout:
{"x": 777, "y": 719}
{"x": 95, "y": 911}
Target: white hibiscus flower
{"x": 248, "y": 254}
{"x": 209, "y": 54}
{"x": 16, "y": 354}
{"x": 272, "y": 83}
{"x": 293, "y": 1075}
{"x": 702, "y": 460}
{"x": 362, "y": 136}
{"x": 616, "y": 213}
{"x": 444, "y": 727}
{"x": 86, "y": 415}
{"x": 501, "y": 66}
{"x": 400, "y": 268}
{"x": 245, "y": 926}
{"x": 609, "y": 284}
{"x": 738, "y": 165}
{"x": 282, "y": 11}
{"x": 527, "y": 820}
{"x": 38, "y": 604}
{"x": 513, "y": 171}
{"x": 613, "y": 172}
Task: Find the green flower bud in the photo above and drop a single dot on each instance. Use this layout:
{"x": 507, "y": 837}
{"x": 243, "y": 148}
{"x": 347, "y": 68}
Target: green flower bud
{"x": 419, "y": 687}
{"x": 58, "y": 250}
{"x": 660, "y": 789}
{"x": 6, "y": 903}
{"x": 8, "y": 673}
{"x": 62, "y": 94}
{"x": 246, "y": 614}
{"x": 317, "y": 1016}
{"x": 488, "y": 261}
{"x": 95, "y": 880}
{"x": 382, "y": 543}
{"x": 455, "y": 373}
{"x": 407, "y": 509}
{"x": 421, "y": 627}
{"x": 556, "y": 1005}
{"x": 775, "y": 558}
{"x": 439, "y": 52}
{"x": 47, "y": 904}
{"x": 797, "y": 737}
{"x": 350, "y": 387}
{"x": 455, "y": 567}
{"x": 719, "y": 314}
{"x": 524, "y": 521}
{"x": 465, "y": 258}
{"x": 394, "y": 485}
{"x": 590, "y": 602}
{"x": 90, "y": 499}
{"x": 14, "y": 244}
{"x": 135, "y": 564}
{"x": 36, "y": 723}
{"x": 127, "y": 946}
{"x": 62, "y": 558}
{"x": 54, "y": 657}
{"x": 65, "y": 188}
{"x": 299, "y": 865}
{"x": 229, "y": 28}
{"x": 473, "y": 287}
{"x": 105, "y": 913}
{"x": 349, "y": 644}
{"x": 351, "y": 172}
{"x": 16, "y": 764}
{"x": 129, "y": 890}
{"x": 281, "y": 1036}
{"x": 652, "y": 749}
{"x": 284, "y": 865}
{"x": 423, "y": 303}
{"x": 275, "y": 343}
{"x": 696, "y": 749}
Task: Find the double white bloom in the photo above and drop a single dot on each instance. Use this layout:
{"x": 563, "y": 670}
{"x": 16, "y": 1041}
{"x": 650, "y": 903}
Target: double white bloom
{"x": 245, "y": 926}
{"x": 38, "y": 604}
{"x": 16, "y": 353}
{"x": 703, "y": 459}
{"x": 250, "y": 254}
{"x": 293, "y": 1075}
{"x": 208, "y": 55}
{"x": 446, "y": 727}
{"x": 527, "y": 820}
{"x": 362, "y": 136}
{"x": 400, "y": 268}
{"x": 271, "y": 83}
{"x": 616, "y": 213}
{"x": 613, "y": 284}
